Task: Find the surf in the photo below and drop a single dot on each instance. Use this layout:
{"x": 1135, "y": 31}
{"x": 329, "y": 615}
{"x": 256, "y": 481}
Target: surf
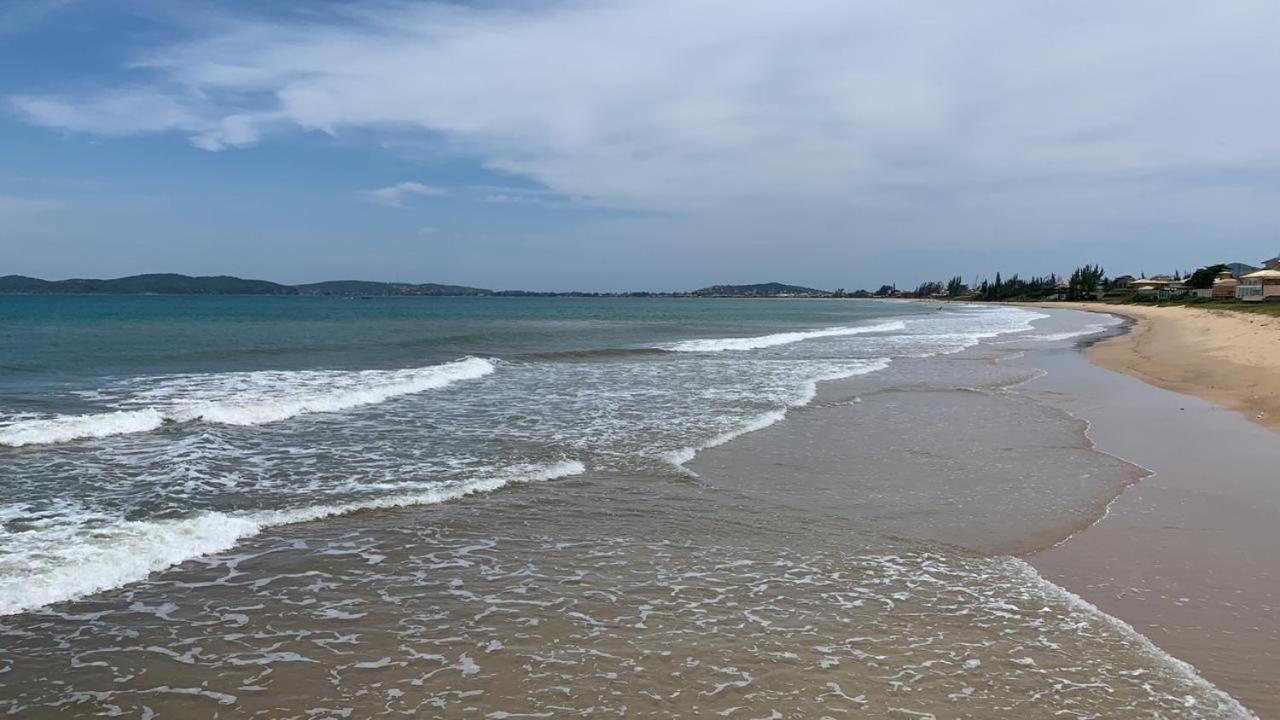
{"x": 245, "y": 398}
{"x": 89, "y": 554}
{"x": 707, "y": 345}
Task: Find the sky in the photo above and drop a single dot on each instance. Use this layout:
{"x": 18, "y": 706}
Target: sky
{"x": 636, "y": 144}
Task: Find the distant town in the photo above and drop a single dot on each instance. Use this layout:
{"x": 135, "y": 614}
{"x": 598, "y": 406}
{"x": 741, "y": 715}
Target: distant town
{"x": 1234, "y": 281}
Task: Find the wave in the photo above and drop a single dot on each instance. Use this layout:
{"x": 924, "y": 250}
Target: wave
{"x": 786, "y": 338}
{"x": 1224, "y": 703}
{"x": 66, "y": 428}
{"x": 1091, "y": 329}
{"x": 759, "y": 422}
{"x": 250, "y": 398}
{"x": 587, "y": 355}
{"x": 70, "y": 561}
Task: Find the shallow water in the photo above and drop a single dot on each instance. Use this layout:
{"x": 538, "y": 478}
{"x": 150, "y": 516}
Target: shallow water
{"x": 608, "y": 596}
{"x": 591, "y": 530}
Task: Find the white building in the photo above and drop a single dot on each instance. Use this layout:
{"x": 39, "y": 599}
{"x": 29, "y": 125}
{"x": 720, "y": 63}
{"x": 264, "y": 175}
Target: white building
{"x": 1259, "y": 286}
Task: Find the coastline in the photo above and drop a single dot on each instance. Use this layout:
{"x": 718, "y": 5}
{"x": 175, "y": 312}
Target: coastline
{"x": 1185, "y": 555}
{"x": 1229, "y": 359}
{"x": 961, "y": 551}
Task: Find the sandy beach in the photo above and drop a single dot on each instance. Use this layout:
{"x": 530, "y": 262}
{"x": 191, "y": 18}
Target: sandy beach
{"x": 1231, "y": 359}
{"x": 1186, "y": 555}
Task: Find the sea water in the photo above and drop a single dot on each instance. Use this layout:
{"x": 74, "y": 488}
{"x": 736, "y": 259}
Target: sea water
{"x": 493, "y": 507}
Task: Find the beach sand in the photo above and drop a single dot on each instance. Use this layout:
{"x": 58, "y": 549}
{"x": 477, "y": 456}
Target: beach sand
{"x": 1230, "y": 359}
{"x": 1187, "y": 555}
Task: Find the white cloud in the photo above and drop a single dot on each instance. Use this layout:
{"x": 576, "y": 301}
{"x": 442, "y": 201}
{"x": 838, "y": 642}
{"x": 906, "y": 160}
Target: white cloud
{"x": 395, "y": 195}
{"x": 500, "y": 195}
{"x": 139, "y": 111}
{"x": 124, "y": 112}
{"x": 427, "y": 230}
{"x": 13, "y": 206}
{"x": 931, "y": 120}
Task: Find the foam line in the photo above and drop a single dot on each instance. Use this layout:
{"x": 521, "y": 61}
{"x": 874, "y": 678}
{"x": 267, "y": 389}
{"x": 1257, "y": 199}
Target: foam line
{"x": 68, "y": 561}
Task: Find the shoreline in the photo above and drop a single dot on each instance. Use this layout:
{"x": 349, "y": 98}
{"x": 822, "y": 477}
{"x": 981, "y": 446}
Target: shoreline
{"x": 879, "y": 504}
{"x": 1185, "y": 555}
{"x": 1229, "y": 359}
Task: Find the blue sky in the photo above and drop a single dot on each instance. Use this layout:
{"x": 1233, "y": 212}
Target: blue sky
{"x": 628, "y": 144}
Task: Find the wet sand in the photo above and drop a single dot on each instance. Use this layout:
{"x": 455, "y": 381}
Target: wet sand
{"x": 1231, "y": 359}
{"x": 1188, "y": 556}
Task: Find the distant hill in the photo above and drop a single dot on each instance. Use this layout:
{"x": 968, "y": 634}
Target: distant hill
{"x": 174, "y": 284}
{"x": 772, "y": 289}
{"x": 21, "y": 284}
{"x": 1238, "y": 268}
{"x": 368, "y": 288}
{"x": 154, "y": 284}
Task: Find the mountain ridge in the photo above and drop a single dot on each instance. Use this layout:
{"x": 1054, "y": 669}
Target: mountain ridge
{"x": 174, "y": 283}
{"x": 177, "y": 284}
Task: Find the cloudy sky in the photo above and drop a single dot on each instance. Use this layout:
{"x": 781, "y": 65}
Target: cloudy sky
{"x": 623, "y": 144}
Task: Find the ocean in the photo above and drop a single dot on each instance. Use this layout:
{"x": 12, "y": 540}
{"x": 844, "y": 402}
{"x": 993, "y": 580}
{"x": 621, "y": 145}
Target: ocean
{"x": 550, "y": 507}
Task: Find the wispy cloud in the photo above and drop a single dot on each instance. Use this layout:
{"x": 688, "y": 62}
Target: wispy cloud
{"x": 396, "y": 195}
{"x": 138, "y": 111}
{"x": 528, "y": 196}
{"x": 13, "y": 206}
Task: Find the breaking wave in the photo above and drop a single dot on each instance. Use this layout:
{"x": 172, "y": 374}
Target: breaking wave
{"x": 246, "y": 398}
{"x": 759, "y": 422}
{"x": 86, "y": 553}
{"x": 1091, "y": 329}
{"x": 786, "y": 338}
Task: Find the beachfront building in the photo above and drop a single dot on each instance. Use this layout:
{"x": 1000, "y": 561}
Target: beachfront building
{"x": 1175, "y": 288}
{"x": 1154, "y": 286}
{"x": 1260, "y": 286}
{"x": 1120, "y": 286}
{"x": 1161, "y": 287}
{"x": 1224, "y": 287}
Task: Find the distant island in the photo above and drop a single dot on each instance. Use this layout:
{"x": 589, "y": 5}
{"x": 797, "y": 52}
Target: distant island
{"x": 175, "y": 284}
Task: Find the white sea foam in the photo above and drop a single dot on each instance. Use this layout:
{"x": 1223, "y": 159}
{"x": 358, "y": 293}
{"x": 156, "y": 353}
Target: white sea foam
{"x": 786, "y": 338}
{"x": 56, "y": 561}
{"x": 954, "y": 332}
{"x": 1090, "y": 329}
{"x": 247, "y": 398}
{"x": 759, "y": 422}
{"x": 1225, "y": 703}
{"x": 65, "y": 428}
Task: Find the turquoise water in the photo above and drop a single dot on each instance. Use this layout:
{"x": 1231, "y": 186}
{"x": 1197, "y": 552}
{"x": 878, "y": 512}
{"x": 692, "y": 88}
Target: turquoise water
{"x": 211, "y": 411}
{"x": 74, "y": 338}
{"x": 480, "y": 507}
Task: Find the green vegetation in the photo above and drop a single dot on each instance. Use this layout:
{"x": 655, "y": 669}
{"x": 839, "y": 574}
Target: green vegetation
{"x": 928, "y": 289}
{"x": 1203, "y": 278}
{"x": 1085, "y": 282}
{"x": 1015, "y": 288}
{"x": 1257, "y": 308}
